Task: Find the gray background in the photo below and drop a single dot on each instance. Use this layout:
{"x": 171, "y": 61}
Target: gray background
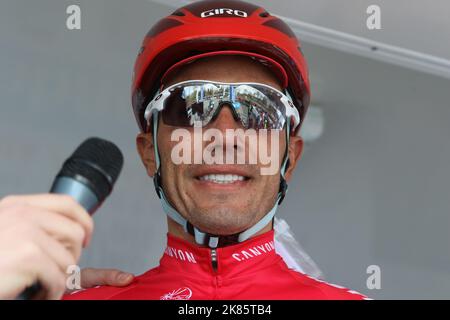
{"x": 373, "y": 189}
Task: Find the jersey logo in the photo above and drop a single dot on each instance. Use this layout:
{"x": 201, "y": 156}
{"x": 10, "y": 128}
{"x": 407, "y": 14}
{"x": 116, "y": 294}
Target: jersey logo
{"x": 254, "y": 251}
{"x": 180, "y": 254}
{"x": 222, "y": 12}
{"x": 179, "y": 294}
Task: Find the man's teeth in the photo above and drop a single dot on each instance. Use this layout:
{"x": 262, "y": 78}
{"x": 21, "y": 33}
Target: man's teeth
{"x": 222, "y": 178}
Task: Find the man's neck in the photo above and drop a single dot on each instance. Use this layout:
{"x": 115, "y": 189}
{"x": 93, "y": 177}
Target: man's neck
{"x": 177, "y": 230}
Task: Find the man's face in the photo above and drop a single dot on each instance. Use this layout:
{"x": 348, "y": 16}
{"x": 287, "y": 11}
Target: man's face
{"x": 212, "y": 207}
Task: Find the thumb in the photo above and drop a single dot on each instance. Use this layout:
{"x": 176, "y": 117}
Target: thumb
{"x": 91, "y": 277}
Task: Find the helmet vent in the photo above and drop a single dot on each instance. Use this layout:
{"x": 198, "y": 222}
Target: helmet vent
{"x": 280, "y": 26}
{"x": 178, "y": 13}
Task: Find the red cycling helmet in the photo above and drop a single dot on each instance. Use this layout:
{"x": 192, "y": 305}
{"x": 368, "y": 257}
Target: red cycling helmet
{"x": 215, "y": 27}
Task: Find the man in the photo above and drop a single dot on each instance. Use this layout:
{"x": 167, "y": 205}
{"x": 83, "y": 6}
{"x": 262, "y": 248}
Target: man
{"x": 242, "y": 69}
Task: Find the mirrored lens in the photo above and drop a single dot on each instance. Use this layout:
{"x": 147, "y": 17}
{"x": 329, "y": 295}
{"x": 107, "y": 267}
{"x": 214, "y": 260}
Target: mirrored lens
{"x": 255, "y": 107}
{"x": 259, "y": 107}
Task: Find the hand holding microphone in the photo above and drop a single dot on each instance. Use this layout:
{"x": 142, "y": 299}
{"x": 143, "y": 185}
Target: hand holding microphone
{"x": 40, "y": 235}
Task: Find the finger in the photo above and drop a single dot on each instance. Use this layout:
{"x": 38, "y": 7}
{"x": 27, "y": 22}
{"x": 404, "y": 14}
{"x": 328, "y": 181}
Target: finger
{"x": 63, "y": 229}
{"x": 45, "y": 271}
{"x": 62, "y": 256}
{"x": 51, "y": 278}
{"x": 53, "y": 252}
{"x": 63, "y": 204}
{"x": 91, "y": 277}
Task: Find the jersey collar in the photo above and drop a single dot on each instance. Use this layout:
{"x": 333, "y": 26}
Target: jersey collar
{"x": 253, "y": 254}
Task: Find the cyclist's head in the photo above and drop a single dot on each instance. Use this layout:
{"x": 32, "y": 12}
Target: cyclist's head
{"x": 228, "y": 65}
{"x": 213, "y": 206}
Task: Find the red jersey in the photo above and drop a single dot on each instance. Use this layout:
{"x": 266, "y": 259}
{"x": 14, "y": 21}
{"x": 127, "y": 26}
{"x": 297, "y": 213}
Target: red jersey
{"x": 250, "y": 270}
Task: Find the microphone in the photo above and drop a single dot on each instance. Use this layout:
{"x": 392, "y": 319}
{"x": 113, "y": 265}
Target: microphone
{"x": 88, "y": 175}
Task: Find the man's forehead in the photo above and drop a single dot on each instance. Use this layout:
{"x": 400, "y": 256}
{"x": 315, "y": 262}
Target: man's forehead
{"x": 224, "y": 69}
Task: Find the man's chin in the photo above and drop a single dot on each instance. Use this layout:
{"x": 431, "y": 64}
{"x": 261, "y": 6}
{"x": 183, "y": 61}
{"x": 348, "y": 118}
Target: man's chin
{"x": 221, "y": 223}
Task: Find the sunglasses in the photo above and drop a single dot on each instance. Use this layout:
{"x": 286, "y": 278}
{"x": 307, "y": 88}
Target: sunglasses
{"x": 193, "y": 102}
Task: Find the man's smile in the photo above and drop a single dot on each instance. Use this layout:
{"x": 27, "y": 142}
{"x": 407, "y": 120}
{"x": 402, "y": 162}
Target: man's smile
{"x": 222, "y": 176}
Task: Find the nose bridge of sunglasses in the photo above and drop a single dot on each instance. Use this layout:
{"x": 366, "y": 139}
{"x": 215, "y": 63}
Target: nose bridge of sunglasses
{"x": 222, "y": 108}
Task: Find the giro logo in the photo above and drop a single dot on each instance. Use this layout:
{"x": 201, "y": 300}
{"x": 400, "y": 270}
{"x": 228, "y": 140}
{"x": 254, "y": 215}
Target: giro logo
{"x": 223, "y": 11}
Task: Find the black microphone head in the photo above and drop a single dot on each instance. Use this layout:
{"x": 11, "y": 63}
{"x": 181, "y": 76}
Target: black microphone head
{"x": 96, "y": 163}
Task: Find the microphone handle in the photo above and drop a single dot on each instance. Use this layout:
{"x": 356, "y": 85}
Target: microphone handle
{"x": 30, "y": 291}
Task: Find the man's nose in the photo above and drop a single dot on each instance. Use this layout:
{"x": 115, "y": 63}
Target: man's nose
{"x": 225, "y": 120}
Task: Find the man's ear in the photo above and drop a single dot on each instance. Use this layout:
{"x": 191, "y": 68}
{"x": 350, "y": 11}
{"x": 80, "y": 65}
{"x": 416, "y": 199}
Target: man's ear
{"x": 294, "y": 153}
{"x": 145, "y": 148}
